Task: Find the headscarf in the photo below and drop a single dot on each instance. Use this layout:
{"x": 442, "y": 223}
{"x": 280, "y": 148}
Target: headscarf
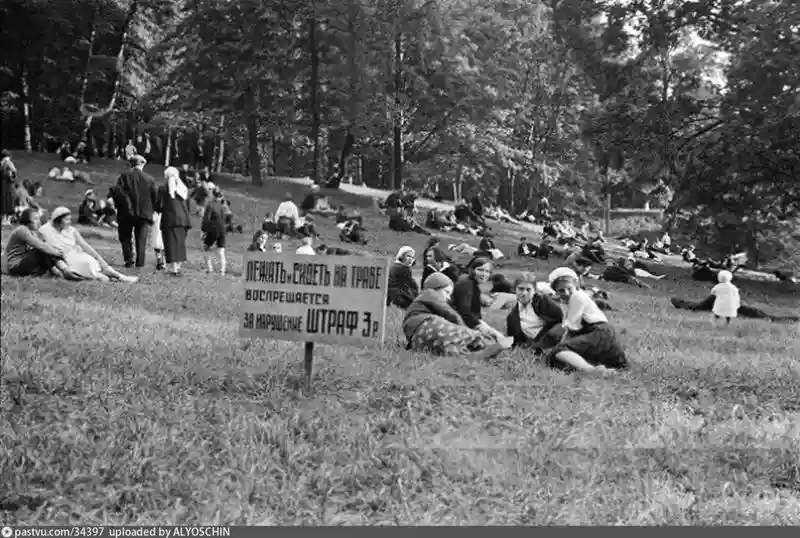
{"x": 175, "y": 185}
{"x": 724, "y": 277}
{"x": 403, "y": 251}
{"x": 560, "y": 273}
{"x": 437, "y": 281}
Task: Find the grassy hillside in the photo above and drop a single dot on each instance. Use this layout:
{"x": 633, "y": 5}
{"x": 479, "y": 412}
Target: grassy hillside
{"x": 138, "y": 404}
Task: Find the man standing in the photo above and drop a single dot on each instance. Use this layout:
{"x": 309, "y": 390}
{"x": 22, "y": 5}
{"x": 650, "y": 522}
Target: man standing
{"x": 135, "y": 198}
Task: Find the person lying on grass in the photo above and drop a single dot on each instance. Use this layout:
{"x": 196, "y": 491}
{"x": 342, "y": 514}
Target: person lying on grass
{"x": 431, "y": 325}
{"x": 535, "y": 321}
{"x": 622, "y": 271}
{"x": 27, "y": 253}
{"x": 402, "y": 288}
{"x": 80, "y": 258}
{"x": 744, "y": 311}
{"x": 589, "y": 343}
{"x": 468, "y": 300}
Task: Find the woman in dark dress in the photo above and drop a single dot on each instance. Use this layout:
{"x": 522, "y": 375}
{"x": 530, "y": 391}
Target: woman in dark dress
{"x": 403, "y": 289}
{"x": 8, "y": 180}
{"x": 173, "y": 204}
{"x": 468, "y": 300}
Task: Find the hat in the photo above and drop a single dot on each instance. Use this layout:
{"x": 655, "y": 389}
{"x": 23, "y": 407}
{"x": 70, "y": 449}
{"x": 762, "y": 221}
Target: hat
{"x": 724, "y": 277}
{"x": 59, "y": 212}
{"x": 437, "y": 281}
{"x": 137, "y": 160}
{"x": 403, "y": 251}
{"x": 5, "y": 153}
{"x": 561, "y": 272}
{"x": 315, "y": 187}
{"x": 88, "y": 192}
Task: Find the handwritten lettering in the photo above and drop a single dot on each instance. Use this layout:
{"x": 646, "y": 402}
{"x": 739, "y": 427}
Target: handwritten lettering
{"x": 331, "y": 321}
{"x": 300, "y": 274}
{"x": 291, "y": 297}
{"x": 273, "y": 322}
{"x": 366, "y": 278}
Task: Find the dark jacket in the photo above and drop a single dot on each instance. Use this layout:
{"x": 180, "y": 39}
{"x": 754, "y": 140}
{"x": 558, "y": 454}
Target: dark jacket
{"x": 174, "y": 211}
{"x": 214, "y": 219}
{"x": 467, "y": 301}
{"x": 545, "y": 308}
{"x": 403, "y": 289}
{"x": 135, "y": 196}
{"x": 486, "y": 244}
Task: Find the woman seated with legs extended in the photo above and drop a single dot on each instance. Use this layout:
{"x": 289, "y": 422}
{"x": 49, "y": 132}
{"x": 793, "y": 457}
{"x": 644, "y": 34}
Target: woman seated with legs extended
{"x": 80, "y": 258}
{"x": 27, "y": 253}
{"x": 432, "y": 326}
{"x": 589, "y": 343}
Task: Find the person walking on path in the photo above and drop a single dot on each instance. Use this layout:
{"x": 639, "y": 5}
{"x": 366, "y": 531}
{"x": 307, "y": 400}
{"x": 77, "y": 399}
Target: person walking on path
{"x": 135, "y": 197}
{"x": 173, "y": 204}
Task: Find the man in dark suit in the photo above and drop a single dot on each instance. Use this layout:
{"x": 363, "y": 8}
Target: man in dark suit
{"x": 135, "y": 197}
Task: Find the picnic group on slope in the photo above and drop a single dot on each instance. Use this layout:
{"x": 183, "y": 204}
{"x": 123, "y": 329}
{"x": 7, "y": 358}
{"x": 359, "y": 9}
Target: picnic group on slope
{"x": 142, "y": 210}
{"x": 445, "y": 317}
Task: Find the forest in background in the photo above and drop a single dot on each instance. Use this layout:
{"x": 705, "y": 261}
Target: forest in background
{"x": 691, "y": 106}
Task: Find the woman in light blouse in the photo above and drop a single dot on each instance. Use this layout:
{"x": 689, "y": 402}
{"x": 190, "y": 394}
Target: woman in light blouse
{"x": 590, "y": 343}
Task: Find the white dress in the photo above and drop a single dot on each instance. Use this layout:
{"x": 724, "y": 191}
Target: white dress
{"x": 76, "y": 259}
{"x": 726, "y": 300}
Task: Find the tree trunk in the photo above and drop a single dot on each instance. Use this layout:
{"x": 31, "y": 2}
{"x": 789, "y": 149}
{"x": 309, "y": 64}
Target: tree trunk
{"x": 168, "y": 153}
{"x": 221, "y": 150}
{"x": 88, "y": 64}
{"x": 314, "y": 83}
{"x": 398, "y": 113}
{"x": 123, "y": 47}
{"x": 25, "y": 98}
{"x": 252, "y": 137}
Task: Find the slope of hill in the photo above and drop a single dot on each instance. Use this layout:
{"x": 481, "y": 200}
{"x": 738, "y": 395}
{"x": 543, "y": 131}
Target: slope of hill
{"x": 138, "y": 404}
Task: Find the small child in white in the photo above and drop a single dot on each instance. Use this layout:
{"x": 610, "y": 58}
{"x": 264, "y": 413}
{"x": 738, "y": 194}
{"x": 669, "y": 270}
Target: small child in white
{"x": 726, "y": 298}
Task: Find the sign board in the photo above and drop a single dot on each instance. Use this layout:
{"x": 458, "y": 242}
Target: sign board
{"x": 325, "y": 299}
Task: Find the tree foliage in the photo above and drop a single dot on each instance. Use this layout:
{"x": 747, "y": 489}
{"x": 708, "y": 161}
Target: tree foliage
{"x": 689, "y": 105}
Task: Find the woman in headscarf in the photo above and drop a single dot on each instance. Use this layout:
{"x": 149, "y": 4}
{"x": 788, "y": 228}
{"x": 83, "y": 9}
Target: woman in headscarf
{"x": 172, "y": 201}
{"x": 8, "y": 181}
{"x": 589, "y": 343}
{"x": 80, "y": 258}
{"x": 431, "y": 325}
{"x": 402, "y": 288}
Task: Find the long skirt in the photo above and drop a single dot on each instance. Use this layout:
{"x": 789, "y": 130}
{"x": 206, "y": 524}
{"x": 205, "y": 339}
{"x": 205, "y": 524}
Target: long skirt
{"x": 438, "y": 336}
{"x": 597, "y": 344}
{"x": 174, "y": 244}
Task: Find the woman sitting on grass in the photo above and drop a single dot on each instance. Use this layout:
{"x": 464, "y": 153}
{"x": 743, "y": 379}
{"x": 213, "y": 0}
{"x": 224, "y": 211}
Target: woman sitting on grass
{"x": 590, "y": 342}
{"x": 535, "y": 321}
{"x": 27, "y": 253}
{"x": 80, "y": 258}
{"x": 432, "y": 326}
{"x": 402, "y": 288}
{"x": 468, "y": 300}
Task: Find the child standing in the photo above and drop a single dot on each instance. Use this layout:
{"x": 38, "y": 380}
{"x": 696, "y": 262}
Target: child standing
{"x": 214, "y": 232}
{"x": 726, "y": 298}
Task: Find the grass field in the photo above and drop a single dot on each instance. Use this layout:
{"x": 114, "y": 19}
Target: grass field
{"x": 138, "y": 404}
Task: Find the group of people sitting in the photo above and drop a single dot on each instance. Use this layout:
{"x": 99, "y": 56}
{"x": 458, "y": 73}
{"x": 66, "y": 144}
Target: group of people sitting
{"x": 445, "y": 317}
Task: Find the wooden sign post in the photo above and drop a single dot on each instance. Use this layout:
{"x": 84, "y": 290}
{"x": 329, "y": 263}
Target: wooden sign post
{"x": 339, "y": 300}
